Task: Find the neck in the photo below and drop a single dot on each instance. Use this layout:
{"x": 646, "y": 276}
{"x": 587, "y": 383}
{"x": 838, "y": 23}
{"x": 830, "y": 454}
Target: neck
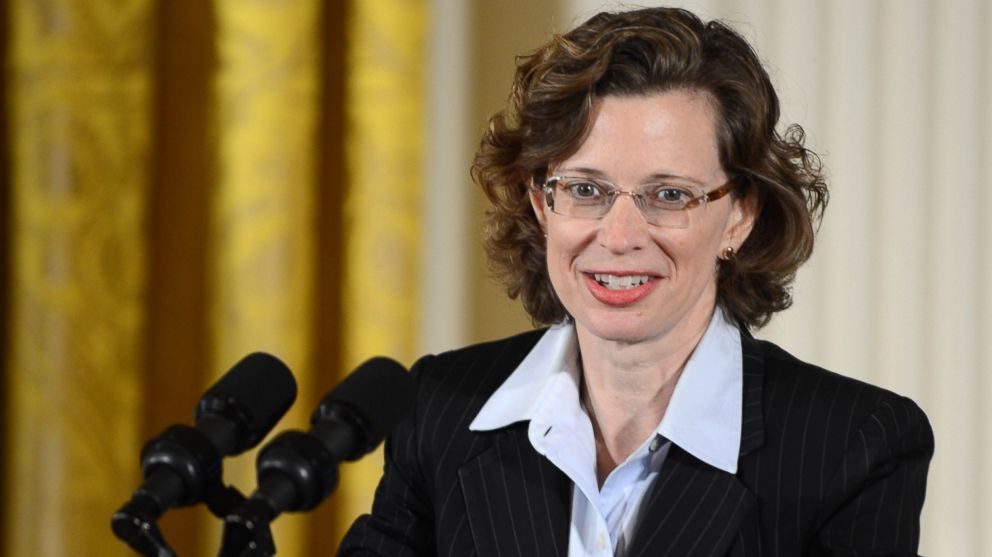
{"x": 626, "y": 388}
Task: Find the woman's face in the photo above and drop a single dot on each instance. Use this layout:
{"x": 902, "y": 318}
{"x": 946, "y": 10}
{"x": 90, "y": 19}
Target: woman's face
{"x": 633, "y": 141}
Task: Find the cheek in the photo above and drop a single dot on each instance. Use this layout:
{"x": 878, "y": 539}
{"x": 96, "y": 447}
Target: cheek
{"x": 717, "y": 232}
{"x": 558, "y": 256}
{"x": 692, "y": 251}
{"x": 563, "y": 247}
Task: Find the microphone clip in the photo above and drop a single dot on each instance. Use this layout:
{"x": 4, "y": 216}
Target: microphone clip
{"x": 247, "y": 532}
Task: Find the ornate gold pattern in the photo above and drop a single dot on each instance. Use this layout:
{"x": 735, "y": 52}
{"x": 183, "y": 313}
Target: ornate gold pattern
{"x": 383, "y": 205}
{"x": 266, "y": 94}
{"x": 80, "y": 93}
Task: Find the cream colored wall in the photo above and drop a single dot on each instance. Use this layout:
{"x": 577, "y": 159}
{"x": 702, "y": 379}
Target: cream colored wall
{"x": 474, "y": 44}
{"x": 896, "y": 97}
{"x": 503, "y": 30}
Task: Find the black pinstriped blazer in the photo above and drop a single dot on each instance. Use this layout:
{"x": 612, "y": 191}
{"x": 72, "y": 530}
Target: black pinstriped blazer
{"x": 828, "y": 466}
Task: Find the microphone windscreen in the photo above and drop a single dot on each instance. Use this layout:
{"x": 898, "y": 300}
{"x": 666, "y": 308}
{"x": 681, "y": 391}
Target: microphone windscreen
{"x": 254, "y": 394}
{"x": 380, "y": 391}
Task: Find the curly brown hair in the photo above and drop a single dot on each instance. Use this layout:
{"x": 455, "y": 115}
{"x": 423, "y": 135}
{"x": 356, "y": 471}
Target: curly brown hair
{"x": 636, "y": 53}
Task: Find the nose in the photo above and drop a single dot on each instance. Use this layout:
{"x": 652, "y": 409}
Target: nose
{"x": 623, "y": 227}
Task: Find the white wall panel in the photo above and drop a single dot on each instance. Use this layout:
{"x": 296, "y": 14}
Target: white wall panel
{"x": 795, "y": 57}
{"x": 900, "y": 200}
{"x": 952, "y": 280}
{"x": 849, "y": 149}
{"x": 447, "y": 187}
{"x": 983, "y": 392}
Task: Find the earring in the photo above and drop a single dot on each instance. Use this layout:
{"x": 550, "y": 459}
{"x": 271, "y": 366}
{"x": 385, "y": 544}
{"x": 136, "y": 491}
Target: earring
{"x": 728, "y": 253}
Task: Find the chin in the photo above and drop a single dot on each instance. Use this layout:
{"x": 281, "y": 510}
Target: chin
{"x": 624, "y": 329}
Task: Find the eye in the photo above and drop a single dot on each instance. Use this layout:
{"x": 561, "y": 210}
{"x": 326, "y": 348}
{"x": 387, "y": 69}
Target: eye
{"x": 668, "y": 197}
{"x": 583, "y": 190}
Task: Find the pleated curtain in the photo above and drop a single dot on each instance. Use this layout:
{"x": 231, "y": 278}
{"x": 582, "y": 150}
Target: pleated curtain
{"x": 189, "y": 182}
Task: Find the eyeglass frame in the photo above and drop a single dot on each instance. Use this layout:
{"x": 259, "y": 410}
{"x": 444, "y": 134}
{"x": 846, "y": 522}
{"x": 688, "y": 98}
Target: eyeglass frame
{"x": 703, "y": 197}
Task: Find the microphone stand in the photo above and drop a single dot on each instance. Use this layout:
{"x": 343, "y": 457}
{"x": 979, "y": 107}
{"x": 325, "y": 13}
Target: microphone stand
{"x": 247, "y": 533}
{"x": 178, "y": 462}
{"x": 296, "y": 472}
{"x": 136, "y": 522}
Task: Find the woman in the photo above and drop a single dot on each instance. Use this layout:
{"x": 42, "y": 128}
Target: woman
{"x": 645, "y": 207}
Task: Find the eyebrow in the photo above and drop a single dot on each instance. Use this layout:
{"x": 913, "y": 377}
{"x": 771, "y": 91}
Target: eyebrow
{"x": 660, "y": 176}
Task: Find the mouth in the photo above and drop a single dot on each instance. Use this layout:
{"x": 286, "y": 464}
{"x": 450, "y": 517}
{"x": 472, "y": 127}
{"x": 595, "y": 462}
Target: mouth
{"x": 621, "y": 282}
{"x": 620, "y": 290}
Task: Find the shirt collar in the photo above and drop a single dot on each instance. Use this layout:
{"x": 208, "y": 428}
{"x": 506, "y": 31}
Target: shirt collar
{"x": 703, "y": 416}
{"x": 518, "y": 398}
{"x": 705, "y": 412}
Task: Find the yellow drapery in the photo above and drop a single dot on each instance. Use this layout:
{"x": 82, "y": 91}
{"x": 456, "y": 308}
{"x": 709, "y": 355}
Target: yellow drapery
{"x": 266, "y": 95}
{"x": 385, "y": 74}
{"x": 180, "y": 196}
{"x": 79, "y": 88}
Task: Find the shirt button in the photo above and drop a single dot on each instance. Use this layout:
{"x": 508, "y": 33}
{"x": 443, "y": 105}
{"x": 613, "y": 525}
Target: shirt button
{"x": 601, "y": 541}
{"x": 655, "y": 443}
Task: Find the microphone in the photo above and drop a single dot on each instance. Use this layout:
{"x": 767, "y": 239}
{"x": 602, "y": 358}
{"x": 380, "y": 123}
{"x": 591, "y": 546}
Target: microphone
{"x": 297, "y": 470}
{"x": 182, "y": 465}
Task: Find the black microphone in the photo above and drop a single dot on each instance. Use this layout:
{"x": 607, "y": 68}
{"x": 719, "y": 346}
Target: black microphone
{"x": 182, "y": 465}
{"x": 297, "y": 470}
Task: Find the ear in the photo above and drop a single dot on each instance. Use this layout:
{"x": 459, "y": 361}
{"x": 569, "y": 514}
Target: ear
{"x": 743, "y": 214}
{"x": 538, "y": 203}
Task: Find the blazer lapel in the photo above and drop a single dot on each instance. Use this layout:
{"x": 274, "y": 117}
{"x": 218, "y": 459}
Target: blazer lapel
{"x": 693, "y": 509}
{"x": 696, "y": 509}
{"x": 753, "y": 422}
{"x": 518, "y": 503}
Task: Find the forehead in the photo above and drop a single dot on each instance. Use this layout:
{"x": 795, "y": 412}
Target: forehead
{"x": 630, "y": 137}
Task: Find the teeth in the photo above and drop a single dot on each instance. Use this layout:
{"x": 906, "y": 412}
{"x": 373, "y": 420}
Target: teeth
{"x": 614, "y": 282}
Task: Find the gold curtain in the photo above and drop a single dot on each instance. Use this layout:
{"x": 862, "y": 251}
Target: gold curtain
{"x": 262, "y": 244}
{"x": 179, "y": 193}
{"x": 385, "y": 82}
{"x": 79, "y": 89}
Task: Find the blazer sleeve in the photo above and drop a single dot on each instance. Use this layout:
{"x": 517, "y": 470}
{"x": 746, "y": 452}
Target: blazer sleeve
{"x": 402, "y": 521}
{"x": 876, "y": 494}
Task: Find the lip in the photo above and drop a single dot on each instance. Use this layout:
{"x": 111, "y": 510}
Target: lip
{"x": 620, "y": 298}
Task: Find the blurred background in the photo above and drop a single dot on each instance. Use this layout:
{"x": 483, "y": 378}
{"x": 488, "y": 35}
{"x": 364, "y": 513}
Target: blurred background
{"x": 186, "y": 181}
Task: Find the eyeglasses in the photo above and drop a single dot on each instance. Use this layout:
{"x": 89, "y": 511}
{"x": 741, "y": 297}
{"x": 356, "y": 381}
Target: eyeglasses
{"x": 665, "y": 205}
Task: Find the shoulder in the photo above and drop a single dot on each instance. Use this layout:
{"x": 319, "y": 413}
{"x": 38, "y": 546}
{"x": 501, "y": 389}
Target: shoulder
{"x": 802, "y": 401}
{"x": 848, "y": 459}
{"x": 453, "y": 386}
{"x": 475, "y": 370}
{"x": 789, "y": 379}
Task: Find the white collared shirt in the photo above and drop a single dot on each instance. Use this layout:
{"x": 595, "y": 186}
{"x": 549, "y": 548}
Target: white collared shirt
{"x": 703, "y": 418}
